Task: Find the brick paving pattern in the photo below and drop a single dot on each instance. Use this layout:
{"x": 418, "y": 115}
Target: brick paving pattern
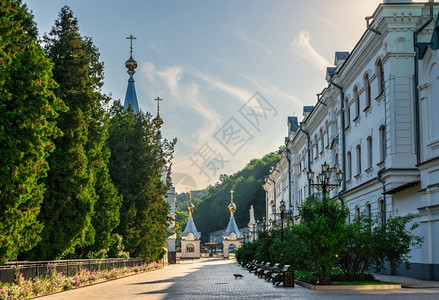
{"x": 213, "y": 279}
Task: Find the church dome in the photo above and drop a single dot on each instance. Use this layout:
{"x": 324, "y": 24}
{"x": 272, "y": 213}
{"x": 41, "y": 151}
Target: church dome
{"x": 232, "y": 207}
{"x": 131, "y": 64}
{"x": 158, "y": 121}
{"x": 190, "y": 207}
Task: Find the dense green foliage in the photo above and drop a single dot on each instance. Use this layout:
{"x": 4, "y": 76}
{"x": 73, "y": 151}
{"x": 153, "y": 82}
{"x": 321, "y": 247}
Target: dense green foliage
{"x": 369, "y": 245}
{"x": 325, "y": 248}
{"x": 212, "y": 214}
{"x": 79, "y": 159}
{"x": 135, "y": 167}
{"x": 28, "y": 108}
{"x": 65, "y": 204}
{"x": 323, "y": 229}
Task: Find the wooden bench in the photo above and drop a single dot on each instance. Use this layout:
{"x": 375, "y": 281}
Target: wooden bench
{"x": 278, "y": 277}
{"x": 260, "y": 271}
{"x": 250, "y": 264}
{"x": 255, "y": 267}
{"x": 271, "y": 270}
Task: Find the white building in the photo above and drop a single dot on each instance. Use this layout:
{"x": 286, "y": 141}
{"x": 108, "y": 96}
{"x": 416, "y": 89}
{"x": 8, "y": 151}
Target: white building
{"x": 376, "y": 122}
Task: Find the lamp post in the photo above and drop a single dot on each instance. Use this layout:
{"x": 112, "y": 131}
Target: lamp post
{"x": 273, "y": 210}
{"x": 282, "y": 209}
{"x": 323, "y": 178}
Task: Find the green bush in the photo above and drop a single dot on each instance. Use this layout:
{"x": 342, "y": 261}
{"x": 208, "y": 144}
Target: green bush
{"x": 305, "y": 276}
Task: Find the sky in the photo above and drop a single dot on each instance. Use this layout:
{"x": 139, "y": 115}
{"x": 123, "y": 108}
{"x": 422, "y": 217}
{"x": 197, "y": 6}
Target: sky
{"x": 229, "y": 72}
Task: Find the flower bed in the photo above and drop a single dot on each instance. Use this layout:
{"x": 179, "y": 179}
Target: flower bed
{"x": 57, "y": 282}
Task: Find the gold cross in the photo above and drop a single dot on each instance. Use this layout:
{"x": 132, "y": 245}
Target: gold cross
{"x": 158, "y": 103}
{"x": 131, "y": 38}
{"x": 231, "y": 194}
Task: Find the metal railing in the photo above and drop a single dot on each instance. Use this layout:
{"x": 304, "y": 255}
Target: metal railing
{"x": 11, "y": 271}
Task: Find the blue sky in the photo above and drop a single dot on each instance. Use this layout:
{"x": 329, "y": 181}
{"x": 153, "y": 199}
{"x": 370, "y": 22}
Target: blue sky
{"x": 230, "y": 72}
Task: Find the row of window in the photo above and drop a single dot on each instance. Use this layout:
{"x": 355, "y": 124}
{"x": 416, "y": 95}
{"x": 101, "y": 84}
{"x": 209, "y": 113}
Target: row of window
{"x": 381, "y": 211}
{"x": 369, "y": 154}
{"x": 367, "y": 89}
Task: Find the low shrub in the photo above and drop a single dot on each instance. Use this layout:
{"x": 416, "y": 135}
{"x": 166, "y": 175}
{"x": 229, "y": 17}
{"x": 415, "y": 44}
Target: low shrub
{"x": 56, "y": 281}
{"x": 305, "y": 276}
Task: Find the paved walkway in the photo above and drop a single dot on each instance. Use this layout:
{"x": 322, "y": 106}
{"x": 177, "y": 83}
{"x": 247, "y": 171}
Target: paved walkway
{"x": 213, "y": 279}
{"x": 408, "y": 282}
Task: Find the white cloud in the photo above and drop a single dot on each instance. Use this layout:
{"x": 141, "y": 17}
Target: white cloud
{"x": 168, "y": 79}
{"x": 171, "y": 76}
{"x": 302, "y": 46}
{"x": 258, "y": 44}
{"x": 327, "y": 22}
{"x": 237, "y": 92}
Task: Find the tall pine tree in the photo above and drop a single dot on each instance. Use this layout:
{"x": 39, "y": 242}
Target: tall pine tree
{"x": 135, "y": 166}
{"x": 78, "y": 176}
{"x": 28, "y": 108}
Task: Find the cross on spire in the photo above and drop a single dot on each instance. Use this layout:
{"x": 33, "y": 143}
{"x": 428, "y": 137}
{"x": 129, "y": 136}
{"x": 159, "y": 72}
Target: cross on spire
{"x": 131, "y": 38}
{"x": 158, "y": 103}
{"x": 231, "y": 194}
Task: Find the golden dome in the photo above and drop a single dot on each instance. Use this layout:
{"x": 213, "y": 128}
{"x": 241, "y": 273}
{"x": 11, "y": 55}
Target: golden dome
{"x": 158, "y": 121}
{"x": 232, "y": 207}
{"x": 131, "y": 64}
{"x": 191, "y": 207}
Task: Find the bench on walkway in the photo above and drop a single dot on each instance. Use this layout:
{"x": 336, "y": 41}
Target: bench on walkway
{"x": 278, "y": 277}
{"x": 250, "y": 264}
{"x": 267, "y": 273}
{"x": 260, "y": 271}
{"x": 254, "y": 267}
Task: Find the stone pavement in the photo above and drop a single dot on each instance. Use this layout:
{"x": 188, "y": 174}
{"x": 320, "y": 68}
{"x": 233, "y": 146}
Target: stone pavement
{"x": 213, "y": 279}
{"x": 408, "y": 282}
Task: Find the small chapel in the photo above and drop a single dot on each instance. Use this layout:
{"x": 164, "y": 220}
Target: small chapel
{"x": 190, "y": 237}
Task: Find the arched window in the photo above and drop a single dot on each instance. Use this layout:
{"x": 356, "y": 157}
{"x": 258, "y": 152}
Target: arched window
{"x": 190, "y": 248}
{"x": 367, "y": 89}
{"x": 380, "y": 76}
{"x": 347, "y": 113}
{"x": 322, "y": 141}
{"x": 348, "y": 165}
{"x": 382, "y": 134}
{"x": 356, "y": 102}
{"x": 369, "y": 210}
{"x": 358, "y": 159}
{"x": 357, "y": 212}
{"x": 369, "y": 152}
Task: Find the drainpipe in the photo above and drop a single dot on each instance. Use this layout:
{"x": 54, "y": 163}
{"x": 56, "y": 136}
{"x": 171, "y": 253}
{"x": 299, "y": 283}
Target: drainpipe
{"x": 309, "y": 157}
{"x": 289, "y": 177}
{"x": 416, "y": 83}
{"x": 384, "y": 194}
{"x": 319, "y": 100}
{"x": 343, "y": 140}
{"x": 370, "y": 27}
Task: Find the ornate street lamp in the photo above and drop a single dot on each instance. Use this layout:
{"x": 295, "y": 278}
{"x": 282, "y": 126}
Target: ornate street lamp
{"x": 282, "y": 210}
{"x": 273, "y": 210}
{"x": 323, "y": 178}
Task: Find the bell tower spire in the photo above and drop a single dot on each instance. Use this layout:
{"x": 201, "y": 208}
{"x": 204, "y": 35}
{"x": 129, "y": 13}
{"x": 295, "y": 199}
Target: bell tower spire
{"x": 131, "y": 65}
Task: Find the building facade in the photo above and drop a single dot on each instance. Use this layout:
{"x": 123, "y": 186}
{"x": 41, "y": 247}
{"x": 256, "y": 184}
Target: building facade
{"x": 375, "y": 121}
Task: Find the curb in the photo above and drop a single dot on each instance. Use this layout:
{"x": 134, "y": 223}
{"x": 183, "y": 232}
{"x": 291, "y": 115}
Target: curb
{"x": 348, "y": 287}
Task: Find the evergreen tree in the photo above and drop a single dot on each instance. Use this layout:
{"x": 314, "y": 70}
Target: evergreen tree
{"x": 135, "y": 166}
{"x": 28, "y": 108}
{"x": 78, "y": 176}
